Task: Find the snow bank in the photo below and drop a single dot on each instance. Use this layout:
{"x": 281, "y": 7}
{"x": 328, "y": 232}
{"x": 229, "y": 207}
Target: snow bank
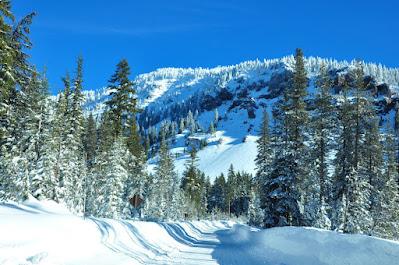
{"x": 46, "y": 233}
{"x": 300, "y": 245}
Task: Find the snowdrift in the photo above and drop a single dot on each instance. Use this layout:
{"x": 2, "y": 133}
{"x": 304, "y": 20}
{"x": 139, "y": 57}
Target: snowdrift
{"x": 46, "y": 233}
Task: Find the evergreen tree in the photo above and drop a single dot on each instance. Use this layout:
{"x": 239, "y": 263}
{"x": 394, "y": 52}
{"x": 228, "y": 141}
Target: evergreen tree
{"x": 284, "y": 186}
{"x": 218, "y": 194}
{"x": 231, "y": 188}
{"x": 255, "y": 212}
{"x": 115, "y": 174}
{"x": 122, "y": 104}
{"x": 385, "y": 211}
{"x": 90, "y": 140}
{"x": 14, "y": 69}
{"x": 191, "y": 182}
{"x": 216, "y": 117}
{"x": 160, "y": 194}
{"x": 319, "y": 182}
{"x": 264, "y": 157}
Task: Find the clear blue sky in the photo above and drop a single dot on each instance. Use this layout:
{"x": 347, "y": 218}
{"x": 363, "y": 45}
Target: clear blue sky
{"x": 207, "y": 33}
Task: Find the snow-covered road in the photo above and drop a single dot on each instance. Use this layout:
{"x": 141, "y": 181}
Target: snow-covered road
{"x": 45, "y": 233}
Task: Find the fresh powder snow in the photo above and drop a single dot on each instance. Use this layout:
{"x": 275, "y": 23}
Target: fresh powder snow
{"x": 46, "y": 233}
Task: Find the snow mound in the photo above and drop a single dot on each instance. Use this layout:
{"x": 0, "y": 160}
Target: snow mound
{"x": 301, "y": 245}
{"x": 45, "y": 233}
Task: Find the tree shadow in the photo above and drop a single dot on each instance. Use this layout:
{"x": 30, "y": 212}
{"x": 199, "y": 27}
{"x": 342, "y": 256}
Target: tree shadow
{"x": 13, "y": 206}
{"x": 236, "y": 248}
{"x": 107, "y": 230}
{"x": 178, "y": 233}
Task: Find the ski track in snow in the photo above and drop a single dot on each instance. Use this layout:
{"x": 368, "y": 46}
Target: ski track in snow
{"x": 45, "y": 233}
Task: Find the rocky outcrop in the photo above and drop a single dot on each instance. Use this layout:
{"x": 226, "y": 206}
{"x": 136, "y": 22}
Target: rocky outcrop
{"x": 278, "y": 82}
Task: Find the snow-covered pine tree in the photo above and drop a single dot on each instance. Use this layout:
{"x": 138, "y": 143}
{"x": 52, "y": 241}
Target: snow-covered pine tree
{"x": 385, "y": 211}
{"x": 122, "y": 104}
{"x": 41, "y": 150}
{"x": 90, "y": 140}
{"x": 115, "y": 169}
{"x": 218, "y": 194}
{"x": 191, "y": 123}
{"x": 178, "y": 204}
{"x": 68, "y": 128}
{"x": 28, "y": 139}
{"x": 284, "y": 186}
{"x": 372, "y": 166}
{"x": 343, "y": 160}
{"x": 263, "y": 158}
{"x": 137, "y": 181}
{"x": 231, "y": 188}
{"x": 216, "y": 117}
{"x": 322, "y": 131}
{"x": 14, "y": 71}
{"x": 255, "y": 212}
{"x": 243, "y": 193}
{"x": 182, "y": 126}
{"x": 191, "y": 182}
{"x": 352, "y": 181}
{"x": 160, "y": 190}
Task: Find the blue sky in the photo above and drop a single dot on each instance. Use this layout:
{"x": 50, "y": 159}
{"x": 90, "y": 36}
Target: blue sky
{"x": 190, "y": 33}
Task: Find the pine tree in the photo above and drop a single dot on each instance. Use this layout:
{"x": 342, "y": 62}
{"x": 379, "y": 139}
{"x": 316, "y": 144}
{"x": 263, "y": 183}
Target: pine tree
{"x": 218, "y": 195}
{"x": 15, "y": 69}
{"x": 160, "y": 194}
{"x": 323, "y": 122}
{"x": 68, "y": 128}
{"x": 190, "y": 122}
{"x": 122, "y": 105}
{"x": 116, "y": 174}
{"x": 255, "y": 212}
{"x": 15, "y": 74}
{"x": 90, "y": 140}
{"x": 353, "y": 170}
{"x": 263, "y": 158}
{"x": 181, "y": 126}
{"x": 133, "y": 140}
{"x": 343, "y": 160}
{"x": 284, "y": 186}
{"x": 231, "y": 188}
{"x": 191, "y": 182}
{"x": 216, "y": 117}
{"x": 319, "y": 182}
{"x": 136, "y": 182}
{"x": 385, "y": 211}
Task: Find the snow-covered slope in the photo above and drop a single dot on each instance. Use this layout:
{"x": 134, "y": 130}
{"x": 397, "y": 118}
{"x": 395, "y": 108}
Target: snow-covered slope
{"x": 47, "y": 234}
{"x": 238, "y": 92}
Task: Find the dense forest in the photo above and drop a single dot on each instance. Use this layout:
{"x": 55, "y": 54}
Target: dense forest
{"x": 328, "y": 163}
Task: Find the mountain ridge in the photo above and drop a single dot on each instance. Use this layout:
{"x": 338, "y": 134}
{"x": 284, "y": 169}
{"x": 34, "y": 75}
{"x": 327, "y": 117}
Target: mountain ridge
{"x": 239, "y": 93}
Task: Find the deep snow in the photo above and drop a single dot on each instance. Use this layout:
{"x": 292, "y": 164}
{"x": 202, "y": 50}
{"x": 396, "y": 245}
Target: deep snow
{"x": 47, "y": 234}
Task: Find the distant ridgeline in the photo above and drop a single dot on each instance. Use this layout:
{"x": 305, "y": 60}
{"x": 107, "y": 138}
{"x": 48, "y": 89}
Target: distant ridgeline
{"x": 169, "y": 93}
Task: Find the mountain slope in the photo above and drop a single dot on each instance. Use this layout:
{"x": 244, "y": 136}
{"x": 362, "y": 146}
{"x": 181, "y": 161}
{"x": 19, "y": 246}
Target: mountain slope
{"x": 239, "y": 93}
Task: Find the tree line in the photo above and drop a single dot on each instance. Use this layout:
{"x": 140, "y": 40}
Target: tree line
{"x": 328, "y": 163}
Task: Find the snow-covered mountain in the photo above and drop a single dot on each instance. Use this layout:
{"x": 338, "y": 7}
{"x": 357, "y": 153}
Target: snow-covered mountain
{"x": 239, "y": 93}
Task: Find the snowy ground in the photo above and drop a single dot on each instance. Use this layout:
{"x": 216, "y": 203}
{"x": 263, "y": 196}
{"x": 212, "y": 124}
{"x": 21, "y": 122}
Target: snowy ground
{"x": 45, "y": 233}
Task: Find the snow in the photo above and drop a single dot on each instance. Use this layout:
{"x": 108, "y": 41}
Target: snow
{"x": 46, "y": 233}
{"x": 160, "y": 90}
